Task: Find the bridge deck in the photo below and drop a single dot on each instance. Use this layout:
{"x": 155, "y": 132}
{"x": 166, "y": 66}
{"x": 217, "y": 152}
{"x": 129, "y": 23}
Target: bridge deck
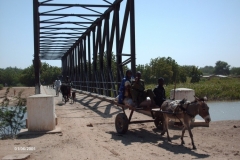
{"x": 111, "y": 103}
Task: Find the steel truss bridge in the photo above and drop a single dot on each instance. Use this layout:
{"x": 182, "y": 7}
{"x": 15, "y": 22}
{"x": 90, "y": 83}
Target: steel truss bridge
{"x": 85, "y": 37}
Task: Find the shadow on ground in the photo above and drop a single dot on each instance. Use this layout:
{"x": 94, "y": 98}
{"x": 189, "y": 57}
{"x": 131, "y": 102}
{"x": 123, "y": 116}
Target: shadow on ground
{"x": 144, "y": 136}
{"x": 95, "y": 105}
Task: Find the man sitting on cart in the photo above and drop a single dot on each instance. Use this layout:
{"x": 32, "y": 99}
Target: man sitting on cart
{"x": 139, "y": 94}
{"x": 125, "y": 96}
{"x": 159, "y": 92}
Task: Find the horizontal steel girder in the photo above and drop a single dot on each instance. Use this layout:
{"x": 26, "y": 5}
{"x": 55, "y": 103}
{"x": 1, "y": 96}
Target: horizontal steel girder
{"x": 74, "y": 5}
{"x": 66, "y": 15}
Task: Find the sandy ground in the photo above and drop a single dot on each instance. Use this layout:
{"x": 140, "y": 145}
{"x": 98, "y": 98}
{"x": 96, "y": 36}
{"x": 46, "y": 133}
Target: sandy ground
{"x": 79, "y": 140}
{"x": 26, "y": 92}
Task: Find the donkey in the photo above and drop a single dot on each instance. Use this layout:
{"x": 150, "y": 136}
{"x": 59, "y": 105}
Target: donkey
{"x": 188, "y": 112}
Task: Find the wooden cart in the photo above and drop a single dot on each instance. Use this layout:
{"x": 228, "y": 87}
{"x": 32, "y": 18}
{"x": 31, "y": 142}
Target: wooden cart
{"x": 122, "y": 121}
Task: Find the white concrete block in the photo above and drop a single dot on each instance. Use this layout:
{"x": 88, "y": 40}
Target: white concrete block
{"x": 181, "y": 93}
{"x": 41, "y": 112}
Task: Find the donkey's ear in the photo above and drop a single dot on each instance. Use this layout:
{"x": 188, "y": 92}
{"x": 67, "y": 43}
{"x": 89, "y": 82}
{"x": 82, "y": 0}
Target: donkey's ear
{"x": 196, "y": 98}
{"x": 205, "y": 98}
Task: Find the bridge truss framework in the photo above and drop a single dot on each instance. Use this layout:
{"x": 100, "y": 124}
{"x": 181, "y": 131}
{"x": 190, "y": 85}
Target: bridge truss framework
{"x": 85, "y": 46}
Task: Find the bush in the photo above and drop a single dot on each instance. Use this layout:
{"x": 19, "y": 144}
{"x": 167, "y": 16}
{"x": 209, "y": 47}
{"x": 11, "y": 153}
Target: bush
{"x": 11, "y": 118}
{"x": 1, "y": 86}
{"x": 214, "y": 88}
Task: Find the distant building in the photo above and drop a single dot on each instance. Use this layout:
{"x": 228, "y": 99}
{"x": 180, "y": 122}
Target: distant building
{"x": 211, "y": 76}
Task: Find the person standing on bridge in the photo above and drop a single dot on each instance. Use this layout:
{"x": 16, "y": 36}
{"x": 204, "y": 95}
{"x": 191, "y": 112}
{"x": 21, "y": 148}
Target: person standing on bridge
{"x": 57, "y": 86}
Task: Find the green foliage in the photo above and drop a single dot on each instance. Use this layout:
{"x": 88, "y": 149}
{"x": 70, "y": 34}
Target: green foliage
{"x": 182, "y": 74}
{"x": 48, "y": 75}
{"x": 1, "y": 86}
{"x": 26, "y": 77}
{"x": 235, "y": 71}
{"x": 214, "y": 88}
{"x": 207, "y": 70}
{"x": 222, "y": 68}
{"x": 195, "y": 75}
{"x": 11, "y": 118}
{"x": 163, "y": 67}
{"x": 10, "y": 76}
{"x": 113, "y": 64}
{"x": 187, "y": 69}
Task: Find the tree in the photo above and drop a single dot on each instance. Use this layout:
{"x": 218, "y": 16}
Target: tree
{"x": 207, "y": 70}
{"x": 187, "y": 69}
{"x": 182, "y": 74}
{"x": 235, "y": 71}
{"x": 48, "y": 74}
{"x": 195, "y": 74}
{"x": 10, "y": 76}
{"x": 146, "y": 72}
{"x": 27, "y": 77}
{"x": 161, "y": 67}
{"x": 222, "y": 68}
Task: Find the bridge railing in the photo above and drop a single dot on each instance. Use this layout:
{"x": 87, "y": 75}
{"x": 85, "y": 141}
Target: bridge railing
{"x": 98, "y": 89}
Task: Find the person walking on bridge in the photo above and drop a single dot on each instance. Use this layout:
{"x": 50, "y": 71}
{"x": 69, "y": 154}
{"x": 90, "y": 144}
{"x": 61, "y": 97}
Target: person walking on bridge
{"x": 57, "y": 86}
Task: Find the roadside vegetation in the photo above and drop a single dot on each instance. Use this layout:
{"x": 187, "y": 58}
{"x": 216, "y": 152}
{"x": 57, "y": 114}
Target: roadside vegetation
{"x": 213, "y": 88}
{"x": 13, "y": 76}
{"x": 224, "y": 87}
{"x": 12, "y": 117}
{"x": 186, "y": 76}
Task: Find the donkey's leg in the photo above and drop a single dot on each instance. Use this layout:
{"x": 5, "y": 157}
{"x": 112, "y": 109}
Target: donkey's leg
{"x": 163, "y": 131}
{"x": 183, "y": 131}
{"x": 166, "y": 125}
{"x": 185, "y": 122}
{"x": 191, "y": 135}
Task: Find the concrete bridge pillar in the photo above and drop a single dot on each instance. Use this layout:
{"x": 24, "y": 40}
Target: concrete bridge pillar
{"x": 41, "y": 112}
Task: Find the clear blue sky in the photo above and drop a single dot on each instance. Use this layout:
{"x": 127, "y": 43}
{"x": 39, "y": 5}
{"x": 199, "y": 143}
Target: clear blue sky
{"x": 193, "y": 32}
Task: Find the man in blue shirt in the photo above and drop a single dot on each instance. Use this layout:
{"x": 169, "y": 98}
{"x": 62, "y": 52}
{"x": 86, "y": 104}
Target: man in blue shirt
{"x": 125, "y": 96}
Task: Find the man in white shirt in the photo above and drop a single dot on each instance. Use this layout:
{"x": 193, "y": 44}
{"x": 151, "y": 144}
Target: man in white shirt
{"x": 57, "y": 86}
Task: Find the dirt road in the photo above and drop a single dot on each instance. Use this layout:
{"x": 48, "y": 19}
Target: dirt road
{"x": 88, "y": 132}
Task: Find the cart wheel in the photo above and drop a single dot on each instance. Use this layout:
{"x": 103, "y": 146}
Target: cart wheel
{"x": 159, "y": 121}
{"x": 121, "y": 123}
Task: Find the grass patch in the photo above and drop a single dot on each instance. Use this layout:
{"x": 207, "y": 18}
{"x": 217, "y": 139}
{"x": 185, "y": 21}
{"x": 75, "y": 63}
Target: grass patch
{"x": 214, "y": 88}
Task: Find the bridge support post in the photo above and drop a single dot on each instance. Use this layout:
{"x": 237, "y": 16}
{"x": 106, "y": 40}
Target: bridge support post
{"x": 36, "y": 65}
{"x": 36, "y": 60}
{"x": 132, "y": 37}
